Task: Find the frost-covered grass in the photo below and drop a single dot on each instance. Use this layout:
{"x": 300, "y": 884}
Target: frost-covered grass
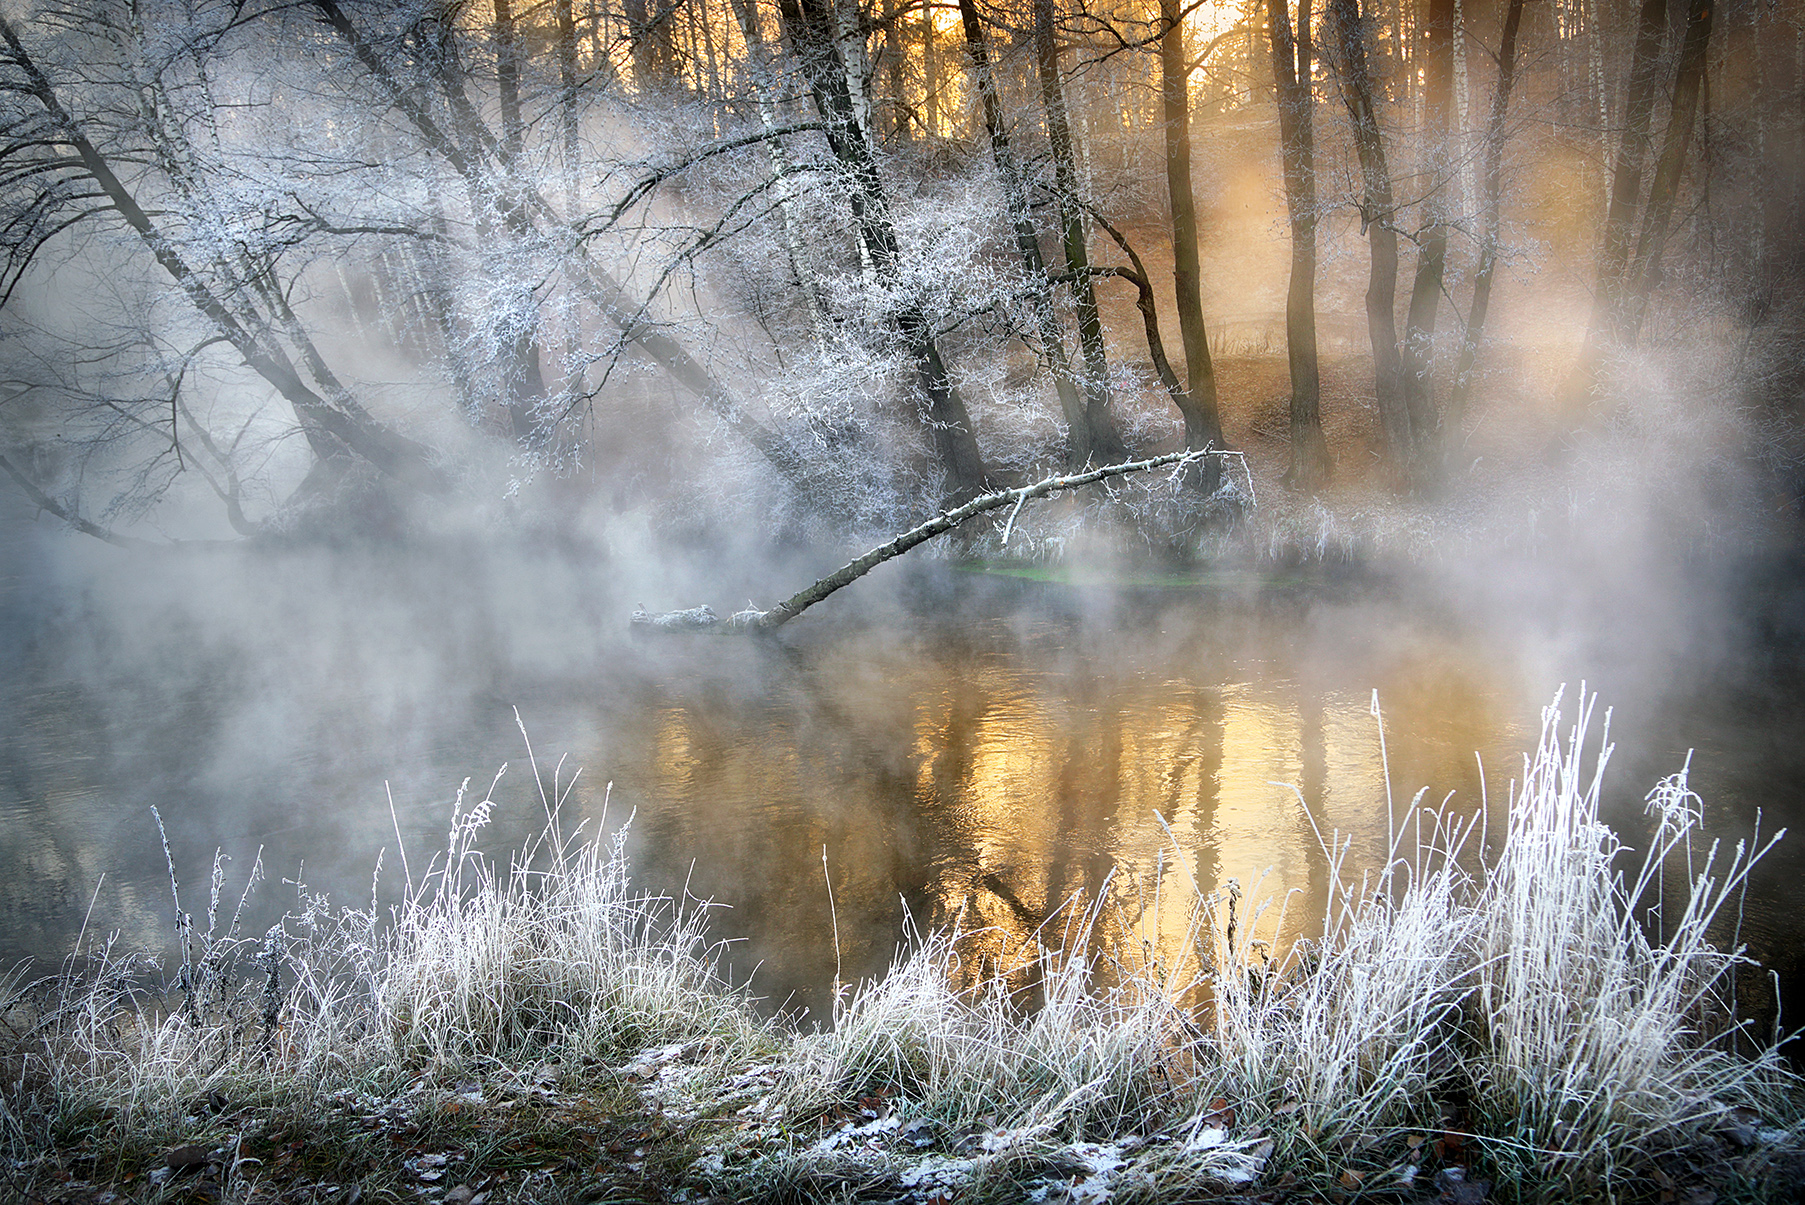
{"x": 478, "y": 974}
{"x": 1546, "y": 1013}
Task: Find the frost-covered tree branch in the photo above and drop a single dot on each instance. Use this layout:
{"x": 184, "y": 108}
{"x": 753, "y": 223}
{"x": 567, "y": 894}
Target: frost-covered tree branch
{"x": 753, "y": 620}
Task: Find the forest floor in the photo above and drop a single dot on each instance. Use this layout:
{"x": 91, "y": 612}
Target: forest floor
{"x": 575, "y": 1131}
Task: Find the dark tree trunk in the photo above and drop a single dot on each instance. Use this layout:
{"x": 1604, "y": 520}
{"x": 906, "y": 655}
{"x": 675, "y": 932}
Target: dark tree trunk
{"x": 1203, "y": 422}
{"x": 1491, "y": 203}
{"x": 896, "y": 58}
{"x": 1106, "y": 439}
{"x": 567, "y": 83}
{"x": 1626, "y": 194}
{"x": 1027, "y": 242}
{"x": 1432, "y": 253}
{"x": 1376, "y": 218}
{"x": 1291, "y": 63}
{"x": 522, "y": 378}
{"x": 1149, "y": 309}
{"x": 812, "y": 31}
{"x": 649, "y": 40}
{"x": 1663, "y": 192}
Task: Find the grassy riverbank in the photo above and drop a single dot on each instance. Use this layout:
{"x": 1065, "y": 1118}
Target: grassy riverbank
{"x": 1553, "y": 1025}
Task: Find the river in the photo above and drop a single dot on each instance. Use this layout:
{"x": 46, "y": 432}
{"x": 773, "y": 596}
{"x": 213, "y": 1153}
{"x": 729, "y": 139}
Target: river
{"x": 940, "y": 743}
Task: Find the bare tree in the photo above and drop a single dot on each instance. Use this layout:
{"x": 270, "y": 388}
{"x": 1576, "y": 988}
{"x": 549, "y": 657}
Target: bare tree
{"x": 1105, "y": 439}
{"x": 1418, "y": 351}
{"x": 1626, "y": 199}
{"x": 1027, "y": 242}
{"x": 138, "y": 172}
{"x": 1491, "y": 205}
{"x": 815, "y": 38}
{"x": 1292, "y": 63}
{"x": 472, "y": 157}
{"x": 1203, "y": 422}
{"x": 525, "y": 382}
{"x": 1377, "y": 221}
{"x": 1664, "y": 189}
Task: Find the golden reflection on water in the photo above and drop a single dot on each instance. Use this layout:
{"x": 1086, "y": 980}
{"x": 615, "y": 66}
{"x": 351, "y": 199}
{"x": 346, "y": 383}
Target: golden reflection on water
{"x": 997, "y": 781}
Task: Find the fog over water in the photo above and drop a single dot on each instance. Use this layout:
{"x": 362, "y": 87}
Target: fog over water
{"x": 971, "y": 747}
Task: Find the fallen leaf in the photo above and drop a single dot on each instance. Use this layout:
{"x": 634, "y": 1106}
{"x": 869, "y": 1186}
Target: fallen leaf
{"x": 461, "y": 1195}
{"x": 1220, "y": 1114}
{"x": 1349, "y": 1179}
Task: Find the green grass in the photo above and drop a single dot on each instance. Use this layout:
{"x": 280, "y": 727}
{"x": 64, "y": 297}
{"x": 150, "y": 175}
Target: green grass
{"x": 540, "y": 1031}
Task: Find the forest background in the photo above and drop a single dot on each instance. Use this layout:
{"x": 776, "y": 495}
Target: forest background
{"x": 820, "y": 268}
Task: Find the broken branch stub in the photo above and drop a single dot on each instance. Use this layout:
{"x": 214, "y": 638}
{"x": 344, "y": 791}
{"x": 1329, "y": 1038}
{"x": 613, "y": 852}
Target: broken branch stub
{"x": 704, "y": 618}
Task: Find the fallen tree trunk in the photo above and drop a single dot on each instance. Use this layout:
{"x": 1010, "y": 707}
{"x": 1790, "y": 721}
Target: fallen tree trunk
{"x": 704, "y": 619}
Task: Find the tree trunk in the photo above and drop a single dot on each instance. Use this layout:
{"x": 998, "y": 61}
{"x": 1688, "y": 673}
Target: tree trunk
{"x": 1663, "y": 192}
{"x": 1027, "y": 241}
{"x": 1105, "y": 438}
{"x": 930, "y": 76}
{"x": 1291, "y": 63}
{"x": 1432, "y": 253}
{"x": 523, "y": 379}
{"x": 649, "y": 40}
{"x": 1144, "y": 301}
{"x": 1491, "y": 202}
{"x": 814, "y": 33}
{"x": 567, "y": 87}
{"x": 895, "y": 59}
{"x": 1626, "y": 193}
{"x": 793, "y": 238}
{"x": 1203, "y": 423}
{"x": 1376, "y": 221}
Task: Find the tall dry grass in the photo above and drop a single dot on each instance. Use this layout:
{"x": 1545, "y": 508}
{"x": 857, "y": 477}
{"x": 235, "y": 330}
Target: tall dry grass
{"x": 1538, "y": 1006}
{"x": 1555, "y": 1014}
{"x": 477, "y": 969}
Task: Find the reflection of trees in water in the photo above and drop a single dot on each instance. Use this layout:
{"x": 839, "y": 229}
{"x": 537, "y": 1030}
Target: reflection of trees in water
{"x": 888, "y": 754}
{"x": 991, "y": 792}
{"x": 55, "y": 777}
{"x": 987, "y": 776}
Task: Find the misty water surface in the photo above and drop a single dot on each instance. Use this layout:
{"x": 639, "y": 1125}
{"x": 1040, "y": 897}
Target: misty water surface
{"x": 962, "y": 748}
